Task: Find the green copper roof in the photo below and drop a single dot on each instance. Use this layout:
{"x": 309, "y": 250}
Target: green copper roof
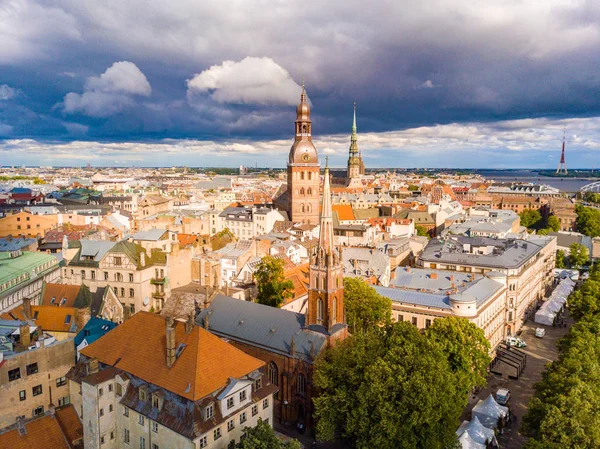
{"x": 20, "y": 269}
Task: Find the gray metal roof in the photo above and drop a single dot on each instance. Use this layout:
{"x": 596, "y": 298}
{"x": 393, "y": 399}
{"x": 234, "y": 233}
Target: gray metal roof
{"x": 151, "y": 235}
{"x": 262, "y": 326}
{"x": 414, "y": 297}
{"x": 95, "y": 248}
{"x": 417, "y": 278}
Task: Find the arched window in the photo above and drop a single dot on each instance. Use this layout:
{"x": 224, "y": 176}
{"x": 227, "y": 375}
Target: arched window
{"x": 319, "y": 310}
{"x": 302, "y": 208}
{"x": 309, "y": 177}
{"x": 334, "y": 310}
{"x": 301, "y": 384}
{"x": 273, "y": 373}
{"x": 302, "y": 191}
{"x": 309, "y": 191}
{"x": 302, "y": 175}
{"x": 304, "y": 128}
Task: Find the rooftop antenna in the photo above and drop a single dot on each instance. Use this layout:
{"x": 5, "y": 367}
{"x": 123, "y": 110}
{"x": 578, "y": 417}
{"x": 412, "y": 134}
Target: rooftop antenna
{"x": 562, "y": 165}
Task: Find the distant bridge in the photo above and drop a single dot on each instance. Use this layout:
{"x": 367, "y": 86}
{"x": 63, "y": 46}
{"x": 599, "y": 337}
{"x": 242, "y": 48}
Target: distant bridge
{"x": 593, "y": 187}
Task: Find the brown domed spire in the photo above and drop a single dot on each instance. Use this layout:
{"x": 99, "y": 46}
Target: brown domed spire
{"x": 303, "y": 110}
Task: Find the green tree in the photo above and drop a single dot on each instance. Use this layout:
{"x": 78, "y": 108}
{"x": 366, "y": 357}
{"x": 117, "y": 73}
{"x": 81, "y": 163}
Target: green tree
{"x": 365, "y": 308}
{"x": 413, "y": 188}
{"x": 388, "y": 388}
{"x": 220, "y": 239}
{"x": 273, "y": 288}
{"x": 421, "y": 231}
{"x": 466, "y": 348}
{"x": 578, "y": 255}
{"x": 561, "y": 259}
{"x": 530, "y": 218}
{"x": 262, "y": 436}
{"x": 588, "y": 220}
{"x": 553, "y": 224}
{"x": 585, "y": 301}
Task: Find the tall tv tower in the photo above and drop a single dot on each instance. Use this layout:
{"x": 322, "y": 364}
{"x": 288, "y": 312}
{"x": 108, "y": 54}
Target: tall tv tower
{"x": 562, "y": 165}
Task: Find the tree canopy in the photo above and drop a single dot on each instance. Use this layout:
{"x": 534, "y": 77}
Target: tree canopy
{"x": 585, "y": 301}
{"x": 561, "y": 259}
{"x": 530, "y": 218}
{"x": 365, "y": 308}
{"x": 262, "y": 436}
{"x": 579, "y": 255}
{"x": 395, "y": 386}
{"x": 273, "y": 288}
{"x": 421, "y": 231}
{"x": 588, "y": 220}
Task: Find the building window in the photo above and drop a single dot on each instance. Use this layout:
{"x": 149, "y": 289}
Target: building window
{"x": 82, "y": 274}
{"x": 154, "y": 446}
{"x": 427, "y": 323}
{"x": 106, "y": 275}
{"x": 334, "y": 309}
{"x": 117, "y": 261}
{"x": 258, "y": 384}
{"x": 154, "y": 426}
{"x": 110, "y": 387}
{"x": 22, "y": 395}
{"x": 265, "y": 403}
{"x": 112, "y": 435}
{"x": 273, "y": 373}
{"x": 126, "y": 435}
{"x": 203, "y": 442}
{"x": 37, "y": 390}
{"x": 31, "y": 369}
{"x": 101, "y": 412}
{"x": 130, "y": 277}
{"x": 125, "y": 411}
{"x": 93, "y": 274}
{"x": 142, "y": 443}
{"x": 141, "y": 420}
{"x": 400, "y": 318}
{"x": 38, "y": 411}
{"x": 242, "y": 395}
{"x": 243, "y": 418}
{"x": 100, "y": 392}
{"x": 319, "y": 310}
{"x": 61, "y": 381}
{"x": 131, "y": 293}
{"x": 414, "y": 320}
{"x": 230, "y": 425}
{"x": 209, "y": 412}
{"x": 229, "y": 403}
{"x": 14, "y": 374}
{"x": 217, "y": 434}
{"x": 300, "y": 385}
{"x": 64, "y": 401}
{"x": 122, "y": 291}
{"x": 119, "y": 390}
{"x": 110, "y": 408}
{"x": 254, "y": 410}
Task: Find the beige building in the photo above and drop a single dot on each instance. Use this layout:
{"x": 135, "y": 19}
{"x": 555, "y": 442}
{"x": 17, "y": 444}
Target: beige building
{"x": 153, "y": 383}
{"x": 32, "y": 379}
{"x": 27, "y": 224}
{"x": 420, "y": 296}
{"x": 527, "y": 264}
{"x": 138, "y": 277}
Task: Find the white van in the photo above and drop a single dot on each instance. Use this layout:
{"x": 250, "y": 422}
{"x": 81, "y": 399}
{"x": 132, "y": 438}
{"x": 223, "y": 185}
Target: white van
{"x": 540, "y": 332}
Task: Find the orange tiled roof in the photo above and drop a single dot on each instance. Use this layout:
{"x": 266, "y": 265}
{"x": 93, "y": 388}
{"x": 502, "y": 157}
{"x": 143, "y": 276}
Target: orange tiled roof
{"x": 187, "y": 239}
{"x": 58, "y": 292}
{"x": 49, "y": 318}
{"x": 138, "y": 347}
{"x": 42, "y": 433}
{"x": 344, "y": 211}
{"x": 69, "y": 423}
{"x": 299, "y": 276}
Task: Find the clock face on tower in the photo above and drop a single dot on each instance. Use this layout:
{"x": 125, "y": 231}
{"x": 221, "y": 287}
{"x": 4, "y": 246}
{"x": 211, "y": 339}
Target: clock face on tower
{"x": 306, "y": 157}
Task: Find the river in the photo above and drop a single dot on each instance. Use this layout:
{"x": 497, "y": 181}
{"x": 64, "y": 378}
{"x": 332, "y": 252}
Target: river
{"x": 531, "y": 176}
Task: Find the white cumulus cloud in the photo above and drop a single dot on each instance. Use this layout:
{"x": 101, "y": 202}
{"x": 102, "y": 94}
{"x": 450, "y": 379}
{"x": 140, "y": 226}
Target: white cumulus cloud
{"x": 110, "y": 92}
{"x": 249, "y": 81}
{"x": 7, "y": 92}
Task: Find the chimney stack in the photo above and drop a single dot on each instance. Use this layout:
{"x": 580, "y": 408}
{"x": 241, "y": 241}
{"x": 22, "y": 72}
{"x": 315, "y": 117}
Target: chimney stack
{"x": 189, "y": 324}
{"x": 170, "y": 337}
{"x": 452, "y": 277}
{"x": 25, "y": 335}
{"x": 143, "y": 258}
{"x": 92, "y": 366}
{"x": 27, "y": 308}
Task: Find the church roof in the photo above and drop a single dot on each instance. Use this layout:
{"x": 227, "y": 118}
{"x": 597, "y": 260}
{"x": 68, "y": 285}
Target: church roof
{"x": 261, "y": 326}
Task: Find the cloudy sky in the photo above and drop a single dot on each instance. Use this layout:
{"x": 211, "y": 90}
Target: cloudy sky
{"x": 441, "y": 83}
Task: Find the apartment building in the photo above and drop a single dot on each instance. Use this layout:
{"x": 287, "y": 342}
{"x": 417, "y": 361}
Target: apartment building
{"x": 138, "y": 277}
{"x": 420, "y": 296}
{"x": 154, "y": 383}
{"x": 27, "y": 224}
{"x": 246, "y": 222}
{"x": 527, "y": 264}
{"x": 32, "y": 371}
{"x": 22, "y": 275}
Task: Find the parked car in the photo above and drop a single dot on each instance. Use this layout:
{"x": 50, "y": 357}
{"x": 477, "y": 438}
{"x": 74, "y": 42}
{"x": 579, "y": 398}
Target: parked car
{"x": 502, "y": 396}
{"x": 540, "y": 332}
{"x": 516, "y": 342}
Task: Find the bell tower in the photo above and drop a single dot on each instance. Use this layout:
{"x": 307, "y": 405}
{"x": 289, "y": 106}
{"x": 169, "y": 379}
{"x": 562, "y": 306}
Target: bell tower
{"x": 326, "y": 291}
{"x": 303, "y": 169}
{"x": 354, "y": 158}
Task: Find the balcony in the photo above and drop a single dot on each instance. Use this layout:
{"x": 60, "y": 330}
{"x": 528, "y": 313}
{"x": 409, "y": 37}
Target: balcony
{"x": 158, "y": 295}
{"x": 158, "y": 280}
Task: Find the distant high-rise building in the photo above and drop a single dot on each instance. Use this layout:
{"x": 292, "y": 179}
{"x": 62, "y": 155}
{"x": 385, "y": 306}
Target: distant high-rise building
{"x": 303, "y": 169}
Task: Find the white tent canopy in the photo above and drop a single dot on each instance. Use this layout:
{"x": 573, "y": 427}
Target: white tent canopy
{"x": 477, "y": 431}
{"x": 489, "y": 412}
{"x": 547, "y": 313}
{"x": 467, "y": 442}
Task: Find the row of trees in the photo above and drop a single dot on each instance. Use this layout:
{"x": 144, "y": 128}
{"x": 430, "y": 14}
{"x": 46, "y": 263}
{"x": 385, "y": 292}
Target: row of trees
{"x": 588, "y": 220}
{"x": 532, "y": 219}
{"x": 579, "y": 256}
{"x": 564, "y": 411}
{"x": 390, "y": 385}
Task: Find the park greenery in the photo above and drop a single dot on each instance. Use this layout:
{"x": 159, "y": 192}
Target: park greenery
{"x": 564, "y": 411}
{"x": 561, "y": 259}
{"x": 579, "y": 255}
{"x": 421, "y": 231}
{"x": 273, "y": 288}
{"x": 391, "y": 385}
{"x": 534, "y": 221}
{"x": 365, "y": 308}
{"x": 588, "y": 220}
{"x": 592, "y": 197}
{"x": 262, "y": 436}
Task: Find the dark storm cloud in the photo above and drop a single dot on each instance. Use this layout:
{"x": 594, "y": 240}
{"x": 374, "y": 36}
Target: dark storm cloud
{"x": 407, "y": 64}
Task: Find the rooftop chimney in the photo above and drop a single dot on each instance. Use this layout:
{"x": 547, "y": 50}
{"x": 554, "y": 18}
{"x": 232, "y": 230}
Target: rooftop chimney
{"x": 452, "y": 277}
{"x": 27, "y": 308}
{"x": 189, "y": 324}
{"x": 92, "y": 366}
{"x": 25, "y": 335}
{"x": 170, "y": 337}
{"x": 143, "y": 258}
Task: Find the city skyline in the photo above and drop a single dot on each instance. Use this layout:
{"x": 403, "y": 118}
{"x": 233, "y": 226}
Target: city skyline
{"x": 451, "y": 85}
